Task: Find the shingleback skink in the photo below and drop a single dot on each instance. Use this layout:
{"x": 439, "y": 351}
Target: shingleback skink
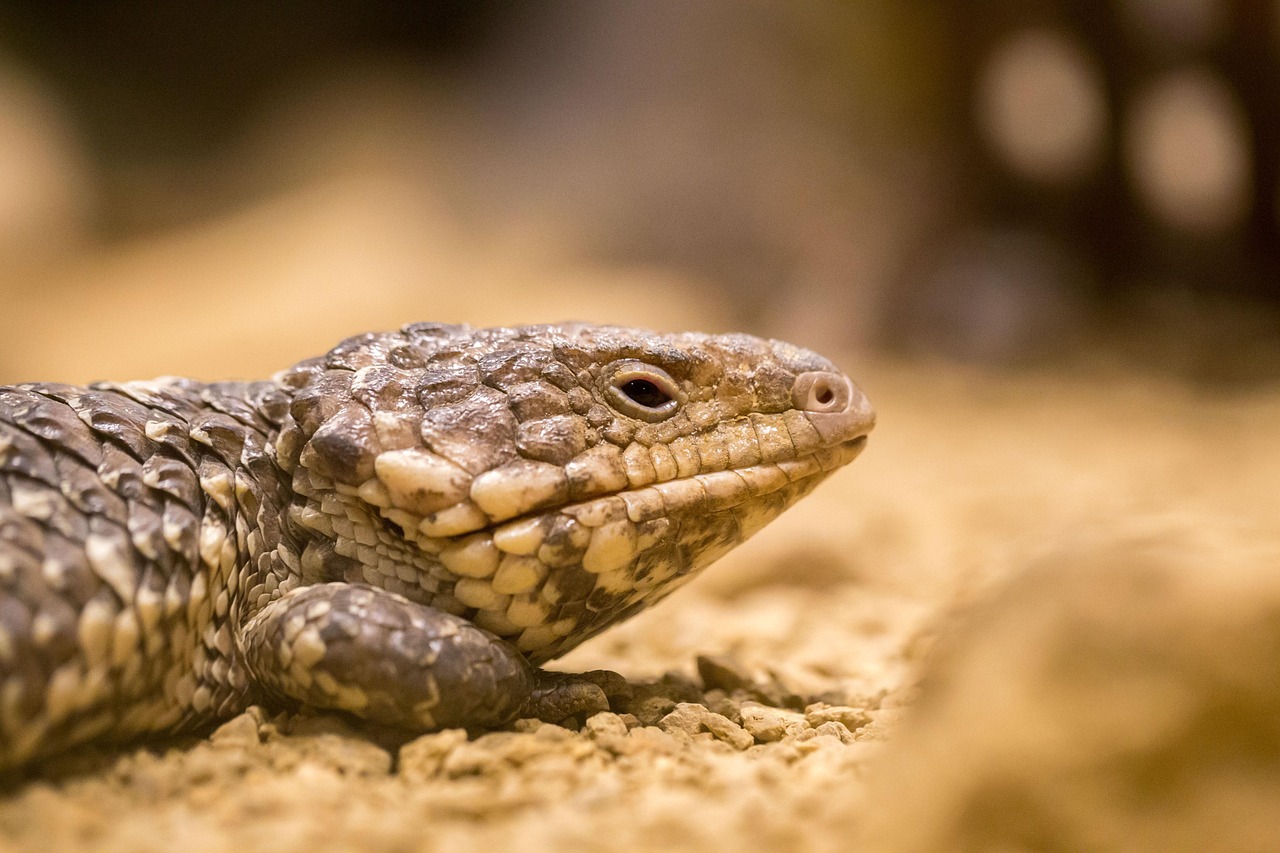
{"x": 401, "y": 529}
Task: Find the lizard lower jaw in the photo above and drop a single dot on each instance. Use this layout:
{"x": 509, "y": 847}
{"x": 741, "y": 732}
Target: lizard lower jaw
{"x": 717, "y": 491}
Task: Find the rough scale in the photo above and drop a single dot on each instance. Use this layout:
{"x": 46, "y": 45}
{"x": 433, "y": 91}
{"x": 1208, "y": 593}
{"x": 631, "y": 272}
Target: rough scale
{"x": 400, "y": 529}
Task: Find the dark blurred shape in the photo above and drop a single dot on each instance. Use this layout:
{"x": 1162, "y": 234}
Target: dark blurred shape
{"x": 149, "y": 74}
{"x": 770, "y": 148}
{"x": 1181, "y": 195}
{"x": 998, "y": 180}
{"x": 153, "y": 82}
{"x": 1172, "y": 27}
{"x": 995, "y": 295}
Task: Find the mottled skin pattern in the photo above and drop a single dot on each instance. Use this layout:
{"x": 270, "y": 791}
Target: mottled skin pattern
{"x": 400, "y": 529}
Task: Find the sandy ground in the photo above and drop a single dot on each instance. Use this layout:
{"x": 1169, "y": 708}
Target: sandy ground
{"x": 1040, "y": 612}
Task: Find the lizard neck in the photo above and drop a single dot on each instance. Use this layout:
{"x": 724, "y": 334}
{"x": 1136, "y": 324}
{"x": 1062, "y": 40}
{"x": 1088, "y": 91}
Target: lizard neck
{"x": 242, "y": 555}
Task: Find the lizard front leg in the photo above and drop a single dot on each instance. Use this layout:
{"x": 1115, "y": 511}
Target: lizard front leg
{"x": 393, "y": 661}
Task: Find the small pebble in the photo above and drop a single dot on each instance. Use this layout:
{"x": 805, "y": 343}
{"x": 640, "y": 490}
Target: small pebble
{"x": 651, "y": 709}
{"x": 423, "y": 758}
{"x": 723, "y": 673}
{"x": 835, "y": 729}
{"x": 654, "y": 739}
{"x": 723, "y": 704}
{"x": 238, "y": 731}
{"x": 528, "y": 724}
{"x": 605, "y": 724}
{"x": 694, "y": 719}
{"x": 851, "y": 718}
{"x": 768, "y": 725}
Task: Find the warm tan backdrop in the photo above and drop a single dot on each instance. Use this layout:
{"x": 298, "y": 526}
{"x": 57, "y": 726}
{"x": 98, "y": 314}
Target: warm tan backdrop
{"x": 1040, "y": 612}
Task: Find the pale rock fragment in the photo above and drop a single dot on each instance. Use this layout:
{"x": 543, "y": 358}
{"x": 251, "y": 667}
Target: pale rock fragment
{"x": 693, "y": 719}
{"x": 768, "y": 725}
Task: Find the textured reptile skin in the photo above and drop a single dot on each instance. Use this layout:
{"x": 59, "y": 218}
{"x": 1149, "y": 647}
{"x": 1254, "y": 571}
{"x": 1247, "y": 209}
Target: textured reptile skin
{"x": 401, "y": 529}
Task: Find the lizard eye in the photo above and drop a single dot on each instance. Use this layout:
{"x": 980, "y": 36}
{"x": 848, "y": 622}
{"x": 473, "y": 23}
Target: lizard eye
{"x": 643, "y": 391}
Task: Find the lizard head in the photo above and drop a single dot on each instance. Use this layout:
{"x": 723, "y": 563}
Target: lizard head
{"x": 547, "y": 481}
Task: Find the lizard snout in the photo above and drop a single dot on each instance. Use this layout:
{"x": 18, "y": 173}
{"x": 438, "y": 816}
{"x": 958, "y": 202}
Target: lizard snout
{"x": 836, "y": 407}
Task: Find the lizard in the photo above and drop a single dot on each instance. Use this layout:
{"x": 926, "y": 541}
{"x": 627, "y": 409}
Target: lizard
{"x": 402, "y": 529}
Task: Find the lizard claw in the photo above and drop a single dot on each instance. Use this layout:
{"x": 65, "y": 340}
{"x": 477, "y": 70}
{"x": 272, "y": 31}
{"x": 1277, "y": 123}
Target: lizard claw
{"x": 558, "y": 695}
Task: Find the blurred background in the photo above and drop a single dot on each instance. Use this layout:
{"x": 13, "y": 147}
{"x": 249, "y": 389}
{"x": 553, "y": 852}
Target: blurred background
{"x": 222, "y": 189}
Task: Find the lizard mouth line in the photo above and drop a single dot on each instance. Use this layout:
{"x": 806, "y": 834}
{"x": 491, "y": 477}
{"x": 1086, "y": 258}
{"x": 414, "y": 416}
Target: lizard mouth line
{"x": 712, "y": 491}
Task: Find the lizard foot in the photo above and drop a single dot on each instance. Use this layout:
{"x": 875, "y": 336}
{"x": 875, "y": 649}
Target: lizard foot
{"x": 559, "y": 695}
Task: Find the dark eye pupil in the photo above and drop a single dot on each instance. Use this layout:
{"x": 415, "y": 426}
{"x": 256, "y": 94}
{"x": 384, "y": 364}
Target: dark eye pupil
{"x": 645, "y": 393}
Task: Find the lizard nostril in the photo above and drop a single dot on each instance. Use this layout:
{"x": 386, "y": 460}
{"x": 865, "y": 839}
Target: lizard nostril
{"x": 838, "y": 410}
{"x": 822, "y": 392}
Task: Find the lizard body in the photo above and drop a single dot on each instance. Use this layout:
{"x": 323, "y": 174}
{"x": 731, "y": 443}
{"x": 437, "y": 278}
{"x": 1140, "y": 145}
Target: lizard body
{"x": 401, "y": 529}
